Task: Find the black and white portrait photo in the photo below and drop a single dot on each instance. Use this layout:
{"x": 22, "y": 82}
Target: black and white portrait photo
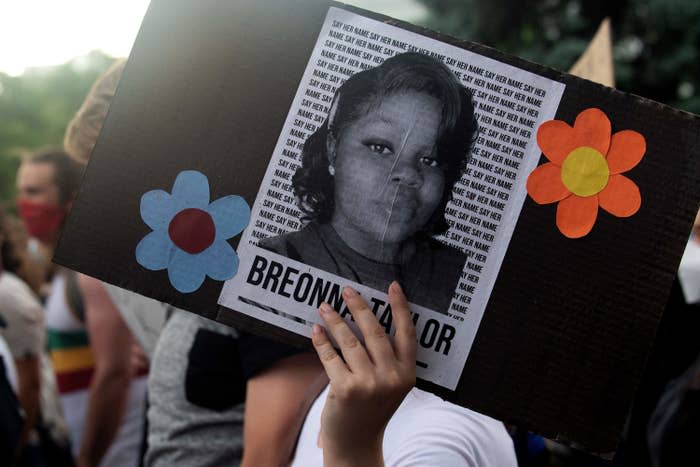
{"x": 401, "y": 157}
{"x": 376, "y": 176}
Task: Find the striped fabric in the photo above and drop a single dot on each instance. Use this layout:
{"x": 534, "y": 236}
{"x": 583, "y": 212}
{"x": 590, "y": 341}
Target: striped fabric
{"x": 72, "y": 359}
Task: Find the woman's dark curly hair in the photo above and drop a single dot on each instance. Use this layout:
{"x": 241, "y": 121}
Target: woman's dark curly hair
{"x": 410, "y": 71}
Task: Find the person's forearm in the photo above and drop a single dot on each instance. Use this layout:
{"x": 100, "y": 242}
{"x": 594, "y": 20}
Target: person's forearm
{"x": 28, "y": 392}
{"x": 369, "y": 382}
{"x": 106, "y": 404}
{"x": 277, "y": 400}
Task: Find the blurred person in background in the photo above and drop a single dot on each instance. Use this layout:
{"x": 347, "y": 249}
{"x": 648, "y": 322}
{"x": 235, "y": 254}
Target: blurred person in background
{"x": 195, "y": 392}
{"x": 31, "y": 267}
{"x": 89, "y": 343}
{"x": 45, "y": 435}
{"x": 24, "y": 333}
{"x": 11, "y": 419}
{"x": 665, "y": 419}
{"x": 46, "y": 182}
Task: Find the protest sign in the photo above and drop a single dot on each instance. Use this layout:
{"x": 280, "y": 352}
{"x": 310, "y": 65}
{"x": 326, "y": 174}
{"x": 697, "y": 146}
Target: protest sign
{"x": 596, "y": 63}
{"x": 535, "y": 219}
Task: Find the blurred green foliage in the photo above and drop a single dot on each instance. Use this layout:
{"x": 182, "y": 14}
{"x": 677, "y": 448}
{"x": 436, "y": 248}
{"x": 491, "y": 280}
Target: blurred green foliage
{"x": 656, "y": 42}
{"x": 36, "y": 107}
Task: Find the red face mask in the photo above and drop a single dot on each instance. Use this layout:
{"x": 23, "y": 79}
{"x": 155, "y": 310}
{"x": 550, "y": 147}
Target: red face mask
{"x": 43, "y": 221}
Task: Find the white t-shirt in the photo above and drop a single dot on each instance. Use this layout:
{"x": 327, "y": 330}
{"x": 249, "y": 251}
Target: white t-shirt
{"x": 24, "y": 316}
{"x": 424, "y": 431}
{"x": 124, "y": 450}
{"x": 10, "y": 370}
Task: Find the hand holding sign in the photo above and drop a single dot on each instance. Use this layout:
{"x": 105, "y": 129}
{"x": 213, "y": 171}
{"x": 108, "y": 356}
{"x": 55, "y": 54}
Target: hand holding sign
{"x": 368, "y": 387}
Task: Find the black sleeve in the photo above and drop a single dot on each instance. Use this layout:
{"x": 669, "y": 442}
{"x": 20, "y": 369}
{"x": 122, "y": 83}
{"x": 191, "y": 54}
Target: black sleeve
{"x": 257, "y": 353}
{"x": 214, "y": 379}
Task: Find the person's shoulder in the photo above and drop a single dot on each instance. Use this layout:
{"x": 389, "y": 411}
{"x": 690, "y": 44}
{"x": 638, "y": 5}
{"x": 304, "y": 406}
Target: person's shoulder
{"x": 23, "y": 315}
{"x": 7, "y": 280}
{"x": 275, "y": 244}
{"x": 444, "y": 250}
{"x": 472, "y": 423}
{"x": 17, "y": 297}
{"x": 89, "y": 284}
{"x": 293, "y": 244}
{"x": 428, "y": 430}
{"x": 11, "y": 282}
{"x": 450, "y": 259}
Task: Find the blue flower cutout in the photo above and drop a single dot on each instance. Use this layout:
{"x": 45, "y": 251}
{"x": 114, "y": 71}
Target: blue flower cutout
{"x": 189, "y": 234}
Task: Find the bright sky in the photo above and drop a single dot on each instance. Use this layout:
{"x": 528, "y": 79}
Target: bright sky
{"x": 50, "y": 32}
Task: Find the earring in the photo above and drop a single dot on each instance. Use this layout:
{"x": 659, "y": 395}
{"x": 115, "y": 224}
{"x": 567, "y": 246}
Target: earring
{"x": 331, "y": 170}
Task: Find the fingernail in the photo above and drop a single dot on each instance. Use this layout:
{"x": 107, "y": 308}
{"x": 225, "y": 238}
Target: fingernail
{"x": 316, "y": 330}
{"x": 349, "y": 291}
{"x": 325, "y": 308}
{"x": 396, "y": 287}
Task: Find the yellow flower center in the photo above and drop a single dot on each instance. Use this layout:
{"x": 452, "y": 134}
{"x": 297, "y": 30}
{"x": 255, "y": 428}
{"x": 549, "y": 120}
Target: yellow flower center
{"x": 585, "y": 171}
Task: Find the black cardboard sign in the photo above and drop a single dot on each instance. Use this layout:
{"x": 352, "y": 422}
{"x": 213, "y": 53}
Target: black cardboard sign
{"x": 569, "y": 323}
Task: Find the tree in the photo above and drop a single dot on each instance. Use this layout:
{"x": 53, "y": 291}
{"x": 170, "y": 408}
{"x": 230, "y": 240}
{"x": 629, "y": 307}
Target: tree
{"x": 35, "y": 109}
{"x": 656, "y": 41}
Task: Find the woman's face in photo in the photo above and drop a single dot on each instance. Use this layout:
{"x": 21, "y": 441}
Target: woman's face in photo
{"x": 388, "y": 180}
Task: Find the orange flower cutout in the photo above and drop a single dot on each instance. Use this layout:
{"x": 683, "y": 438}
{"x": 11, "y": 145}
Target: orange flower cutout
{"x": 584, "y": 171}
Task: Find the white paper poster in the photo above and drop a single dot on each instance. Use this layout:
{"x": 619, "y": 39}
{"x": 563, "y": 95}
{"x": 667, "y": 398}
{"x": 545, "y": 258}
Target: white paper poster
{"x": 384, "y": 170}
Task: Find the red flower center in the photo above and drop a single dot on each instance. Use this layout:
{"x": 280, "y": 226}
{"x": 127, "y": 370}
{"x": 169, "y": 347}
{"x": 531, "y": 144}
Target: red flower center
{"x": 192, "y": 230}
